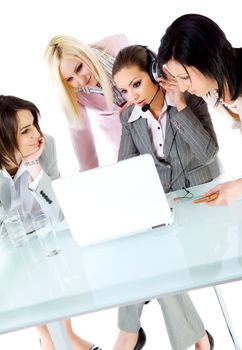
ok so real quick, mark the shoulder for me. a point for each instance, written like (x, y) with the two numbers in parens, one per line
(126, 113)
(112, 44)
(50, 149)
(239, 102)
(49, 140)
(48, 158)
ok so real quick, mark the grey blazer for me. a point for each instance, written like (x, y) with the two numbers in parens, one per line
(44, 193)
(190, 147)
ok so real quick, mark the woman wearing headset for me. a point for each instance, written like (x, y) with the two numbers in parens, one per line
(27, 166)
(202, 61)
(83, 76)
(176, 129)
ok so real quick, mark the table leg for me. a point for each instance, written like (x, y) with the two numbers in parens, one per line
(59, 336)
(226, 317)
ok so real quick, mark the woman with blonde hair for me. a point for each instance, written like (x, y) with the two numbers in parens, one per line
(83, 76)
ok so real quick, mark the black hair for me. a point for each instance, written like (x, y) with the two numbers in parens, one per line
(196, 40)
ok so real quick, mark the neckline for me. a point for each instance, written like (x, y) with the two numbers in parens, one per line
(225, 104)
(12, 172)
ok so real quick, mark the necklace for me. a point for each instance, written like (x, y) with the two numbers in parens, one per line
(227, 105)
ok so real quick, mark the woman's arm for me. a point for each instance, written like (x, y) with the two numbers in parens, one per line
(45, 170)
(83, 140)
(194, 125)
(32, 161)
(192, 120)
(227, 193)
(112, 44)
(127, 147)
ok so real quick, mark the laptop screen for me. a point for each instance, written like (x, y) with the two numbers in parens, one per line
(118, 199)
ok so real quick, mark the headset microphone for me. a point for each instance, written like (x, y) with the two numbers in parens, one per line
(146, 107)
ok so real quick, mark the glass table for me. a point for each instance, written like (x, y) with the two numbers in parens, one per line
(202, 247)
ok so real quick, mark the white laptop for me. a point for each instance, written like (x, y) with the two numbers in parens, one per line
(114, 200)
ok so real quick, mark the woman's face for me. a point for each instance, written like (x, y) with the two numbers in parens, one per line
(28, 136)
(76, 73)
(191, 79)
(135, 85)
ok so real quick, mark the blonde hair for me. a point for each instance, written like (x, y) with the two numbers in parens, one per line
(62, 46)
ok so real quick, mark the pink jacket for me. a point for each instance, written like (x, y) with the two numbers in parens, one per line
(83, 140)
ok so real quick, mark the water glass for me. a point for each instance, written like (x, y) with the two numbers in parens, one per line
(3, 232)
(45, 233)
(15, 228)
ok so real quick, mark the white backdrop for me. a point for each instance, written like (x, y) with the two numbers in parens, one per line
(26, 27)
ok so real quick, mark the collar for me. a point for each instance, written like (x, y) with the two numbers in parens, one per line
(138, 113)
(22, 168)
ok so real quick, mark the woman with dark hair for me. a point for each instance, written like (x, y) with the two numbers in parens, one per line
(176, 129)
(195, 54)
(27, 159)
(27, 166)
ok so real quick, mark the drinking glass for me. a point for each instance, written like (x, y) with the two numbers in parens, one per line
(3, 232)
(45, 233)
(15, 228)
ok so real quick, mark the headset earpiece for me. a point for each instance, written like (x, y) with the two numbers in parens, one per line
(152, 64)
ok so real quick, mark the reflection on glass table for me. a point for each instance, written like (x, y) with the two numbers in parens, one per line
(202, 247)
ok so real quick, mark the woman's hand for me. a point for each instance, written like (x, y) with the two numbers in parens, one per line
(170, 84)
(35, 156)
(31, 161)
(227, 193)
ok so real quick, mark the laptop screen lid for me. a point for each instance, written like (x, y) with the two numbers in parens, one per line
(113, 200)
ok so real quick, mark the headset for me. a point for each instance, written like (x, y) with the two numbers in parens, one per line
(152, 71)
(187, 181)
(154, 74)
(152, 66)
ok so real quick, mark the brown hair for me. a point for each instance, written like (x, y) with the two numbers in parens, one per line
(134, 55)
(9, 107)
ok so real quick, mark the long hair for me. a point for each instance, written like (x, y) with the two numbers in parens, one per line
(195, 40)
(132, 55)
(9, 107)
(61, 46)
